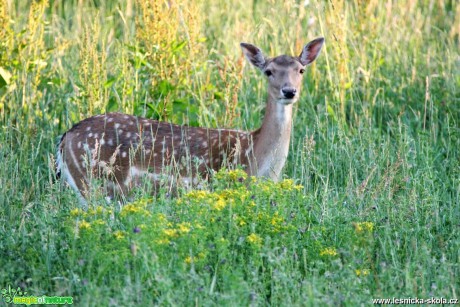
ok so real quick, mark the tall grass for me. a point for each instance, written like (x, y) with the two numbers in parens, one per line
(373, 206)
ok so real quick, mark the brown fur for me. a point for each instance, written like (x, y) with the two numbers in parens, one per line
(173, 145)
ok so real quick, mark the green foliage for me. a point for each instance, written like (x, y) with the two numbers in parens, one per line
(372, 209)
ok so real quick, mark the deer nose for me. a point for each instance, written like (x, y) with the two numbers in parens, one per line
(288, 92)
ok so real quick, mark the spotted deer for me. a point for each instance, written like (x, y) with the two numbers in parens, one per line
(124, 149)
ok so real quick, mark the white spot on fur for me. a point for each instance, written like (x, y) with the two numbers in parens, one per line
(117, 125)
(110, 142)
(88, 128)
(205, 144)
(136, 172)
(79, 145)
(128, 134)
(90, 135)
(124, 154)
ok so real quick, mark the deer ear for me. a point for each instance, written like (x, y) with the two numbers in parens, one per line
(311, 51)
(254, 55)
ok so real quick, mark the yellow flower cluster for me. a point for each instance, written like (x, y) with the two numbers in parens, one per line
(84, 225)
(276, 221)
(254, 239)
(99, 222)
(197, 194)
(119, 235)
(195, 258)
(134, 208)
(170, 233)
(231, 175)
(328, 251)
(363, 272)
(219, 204)
(76, 212)
(364, 227)
(288, 185)
(184, 227)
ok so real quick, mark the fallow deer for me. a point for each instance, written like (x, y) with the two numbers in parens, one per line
(123, 149)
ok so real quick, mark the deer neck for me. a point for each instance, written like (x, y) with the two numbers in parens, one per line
(271, 143)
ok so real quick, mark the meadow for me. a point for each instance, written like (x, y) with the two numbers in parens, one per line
(369, 203)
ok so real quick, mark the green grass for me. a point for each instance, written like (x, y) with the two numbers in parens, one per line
(372, 210)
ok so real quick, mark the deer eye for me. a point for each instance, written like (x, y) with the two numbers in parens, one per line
(268, 72)
(302, 70)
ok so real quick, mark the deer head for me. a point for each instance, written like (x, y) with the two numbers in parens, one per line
(284, 73)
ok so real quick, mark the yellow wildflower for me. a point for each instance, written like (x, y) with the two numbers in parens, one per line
(163, 241)
(84, 225)
(363, 272)
(298, 187)
(197, 194)
(134, 208)
(219, 205)
(76, 212)
(161, 217)
(119, 235)
(237, 174)
(99, 222)
(276, 219)
(364, 227)
(266, 188)
(328, 251)
(254, 239)
(195, 258)
(170, 232)
(184, 227)
(288, 185)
